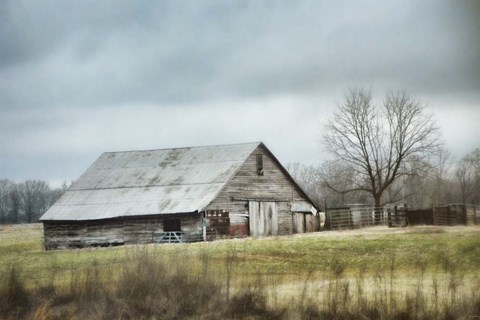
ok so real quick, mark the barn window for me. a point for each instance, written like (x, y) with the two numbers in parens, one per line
(172, 225)
(260, 164)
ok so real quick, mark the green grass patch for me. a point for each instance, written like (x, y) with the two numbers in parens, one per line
(410, 248)
(378, 273)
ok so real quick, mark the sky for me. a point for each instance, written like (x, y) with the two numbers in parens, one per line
(78, 78)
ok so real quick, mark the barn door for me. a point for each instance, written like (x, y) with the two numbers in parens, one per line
(298, 222)
(263, 218)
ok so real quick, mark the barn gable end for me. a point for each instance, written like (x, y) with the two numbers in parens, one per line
(249, 187)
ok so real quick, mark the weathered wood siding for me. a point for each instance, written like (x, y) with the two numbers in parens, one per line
(64, 234)
(273, 186)
(298, 222)
(263, 218)
(312, 222)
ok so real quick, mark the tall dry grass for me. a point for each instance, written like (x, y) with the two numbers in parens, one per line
(148, 285)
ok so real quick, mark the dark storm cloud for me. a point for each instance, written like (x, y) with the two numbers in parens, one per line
(92, 53)
(81, 77)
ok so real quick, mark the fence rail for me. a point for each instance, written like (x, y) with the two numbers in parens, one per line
(185, 237)
(449, 215)
(361, 217)
(354, 218)
(169, 237)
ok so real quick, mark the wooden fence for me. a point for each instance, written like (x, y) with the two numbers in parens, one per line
(449, 215)
(355, 218)
(361, 217)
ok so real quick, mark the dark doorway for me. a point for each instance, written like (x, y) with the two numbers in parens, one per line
(172, 225)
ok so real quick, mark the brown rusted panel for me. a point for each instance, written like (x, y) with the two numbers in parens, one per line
(239, 230)
(218, 222)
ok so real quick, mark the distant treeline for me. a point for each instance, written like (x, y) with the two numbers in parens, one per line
(25, 202)
(441, 180)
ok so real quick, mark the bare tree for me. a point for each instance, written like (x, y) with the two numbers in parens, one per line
(431, 185)
(307, 177)
(5, 187)
(26, 201)
(35, 199)
(467, 175)
(379, 143)
(410, 187)
(336, 179)
(440, 177)
(15, 205)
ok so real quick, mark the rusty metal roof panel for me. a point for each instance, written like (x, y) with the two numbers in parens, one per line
(149, 182)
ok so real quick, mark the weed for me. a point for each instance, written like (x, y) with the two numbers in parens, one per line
(388, 278)
(13, 293)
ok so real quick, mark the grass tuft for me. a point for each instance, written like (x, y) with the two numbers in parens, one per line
(301, 278)
(13, 293)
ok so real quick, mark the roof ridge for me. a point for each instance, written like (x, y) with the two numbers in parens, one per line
(146, 186)
(191, 147)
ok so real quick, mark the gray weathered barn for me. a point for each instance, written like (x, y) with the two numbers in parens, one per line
(186, 194)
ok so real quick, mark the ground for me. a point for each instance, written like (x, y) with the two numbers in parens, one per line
(423, 270)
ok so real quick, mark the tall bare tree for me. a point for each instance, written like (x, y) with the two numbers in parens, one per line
(467, 174)
(15, 205)
(379, 143)
(35, 199)
(26, 201)
(337, 180)
(307, 177)
(5, 188)
(439, 178)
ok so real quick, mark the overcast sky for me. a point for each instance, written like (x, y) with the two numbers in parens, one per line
(78, 78)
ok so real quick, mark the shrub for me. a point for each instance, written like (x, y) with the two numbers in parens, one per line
(13, 293)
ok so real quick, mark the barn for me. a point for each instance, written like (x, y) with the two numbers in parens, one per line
(179, 195)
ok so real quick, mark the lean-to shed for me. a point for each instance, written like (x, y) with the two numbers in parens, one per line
(181, 194)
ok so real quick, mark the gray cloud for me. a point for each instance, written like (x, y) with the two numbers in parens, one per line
(89, 53)
(75, 76)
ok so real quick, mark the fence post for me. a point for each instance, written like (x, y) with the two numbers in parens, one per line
(389, 217)
(328, 221)
(396, 215)
(376, 216)
(327, 224)
(434, 215)
(474, 214)
(405, 213)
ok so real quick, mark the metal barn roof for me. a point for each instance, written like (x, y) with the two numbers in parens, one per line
(134, 183)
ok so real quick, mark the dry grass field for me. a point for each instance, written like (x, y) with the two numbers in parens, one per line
(375, 273)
